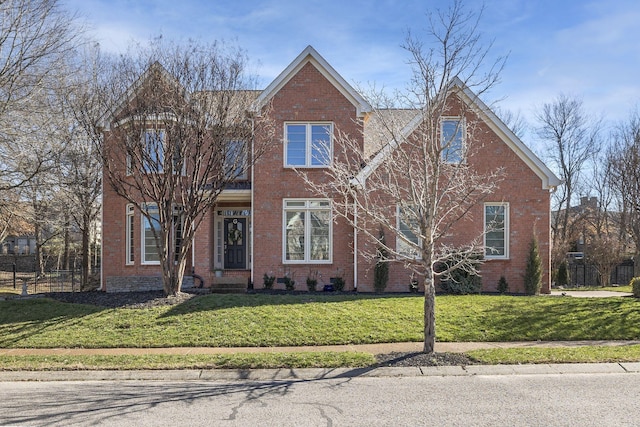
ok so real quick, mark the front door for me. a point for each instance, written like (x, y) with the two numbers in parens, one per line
(235, 243)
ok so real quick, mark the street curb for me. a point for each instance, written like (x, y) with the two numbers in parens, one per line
(313, 374)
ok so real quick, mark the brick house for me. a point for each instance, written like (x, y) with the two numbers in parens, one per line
(271, 223)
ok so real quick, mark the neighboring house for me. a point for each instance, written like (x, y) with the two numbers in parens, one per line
(596, 246)
(271, 223)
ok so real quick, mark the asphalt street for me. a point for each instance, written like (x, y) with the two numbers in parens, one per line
(582, 399)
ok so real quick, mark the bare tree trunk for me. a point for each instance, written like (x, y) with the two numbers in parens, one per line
(65, 251)
(429, 314)
(85, 253)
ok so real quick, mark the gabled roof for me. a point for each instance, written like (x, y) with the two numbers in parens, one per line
(310, 55)
(130, 94)
(549, 179)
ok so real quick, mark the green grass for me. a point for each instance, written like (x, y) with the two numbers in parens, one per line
(292, 320)
(586, 354)
(624, 288)
(165, 361)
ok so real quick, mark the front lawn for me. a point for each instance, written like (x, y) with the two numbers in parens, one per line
(291, 320)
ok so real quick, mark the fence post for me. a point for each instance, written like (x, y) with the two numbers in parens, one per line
(14, 268)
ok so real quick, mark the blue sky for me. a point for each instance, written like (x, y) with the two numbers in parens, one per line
(577, 47)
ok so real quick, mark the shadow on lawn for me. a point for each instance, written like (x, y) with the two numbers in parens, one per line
(225, 301)
(573, 319)
(24, 318)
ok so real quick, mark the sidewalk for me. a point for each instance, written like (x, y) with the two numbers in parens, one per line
(308, 374)
(441, 347)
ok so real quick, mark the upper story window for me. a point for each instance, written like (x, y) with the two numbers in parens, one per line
(452, 139)
(496, 230)
(308, 144)
(235, 160)
(153, 145)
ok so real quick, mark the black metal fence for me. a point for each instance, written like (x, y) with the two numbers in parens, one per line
(584, 274)
(33, 283)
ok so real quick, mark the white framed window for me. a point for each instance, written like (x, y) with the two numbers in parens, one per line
(408, 239)
(130, 241)
(149, 248)
(308, 144)
(307, 231)
(153, 146)
(496, 230)
(452, 130)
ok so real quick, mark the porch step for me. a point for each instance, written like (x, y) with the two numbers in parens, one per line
(229, 285)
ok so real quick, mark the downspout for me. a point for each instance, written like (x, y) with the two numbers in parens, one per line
(355, 245)
(251, 240)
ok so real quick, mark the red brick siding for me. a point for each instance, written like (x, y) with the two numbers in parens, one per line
(307, 97)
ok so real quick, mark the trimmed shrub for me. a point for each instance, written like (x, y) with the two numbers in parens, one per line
(635, 286)
(381, 269)
(289, 283)
(533, 272)
(503, 286)
(311, 284)
(268, 281)
(562, 276)
(460, 281)
(338, 283)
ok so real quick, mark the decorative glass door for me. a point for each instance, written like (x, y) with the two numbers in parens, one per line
(235, 243)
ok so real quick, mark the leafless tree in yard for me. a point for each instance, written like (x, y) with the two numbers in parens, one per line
(35, 38)
(572, 138)
(625, 161)
(605, 245)
(80, 170)
(419, 185)
(184, 137)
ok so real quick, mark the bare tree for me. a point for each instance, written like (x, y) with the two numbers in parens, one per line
(179, 139)
(421, 183)
(625, 172)
(514, 121)
(573, 139)
(604, 245)
(35, 38)
(80, 166)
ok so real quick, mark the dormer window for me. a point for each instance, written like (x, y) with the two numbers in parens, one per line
(308, 144)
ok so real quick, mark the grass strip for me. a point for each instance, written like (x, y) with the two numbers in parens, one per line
(294, 320)
(164, 361)
(582, 354)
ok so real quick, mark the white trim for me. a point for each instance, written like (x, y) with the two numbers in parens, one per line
(306, 208)
(129, 228)
(506, 231)
(400, 242)
(104, 121)
(218, 235)
(462, 125)
(308, 144)
(549, 180)
(143, 254)
(310, 55)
